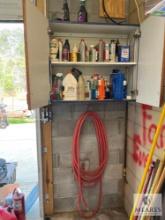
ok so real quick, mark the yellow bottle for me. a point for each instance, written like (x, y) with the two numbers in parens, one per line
(74, 54)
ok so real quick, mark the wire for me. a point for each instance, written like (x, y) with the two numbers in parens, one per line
(138, 11)
(89, 178)
(107, 16)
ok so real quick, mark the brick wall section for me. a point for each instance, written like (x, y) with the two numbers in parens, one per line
(140, 120)
(65, 116)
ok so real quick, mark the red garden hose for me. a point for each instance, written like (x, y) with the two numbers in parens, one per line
(88, 178)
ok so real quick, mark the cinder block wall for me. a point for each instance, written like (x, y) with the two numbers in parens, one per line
(142, 121)
(64, 120)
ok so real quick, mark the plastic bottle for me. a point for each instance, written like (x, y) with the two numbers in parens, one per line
(60, 46)
(81, 88)
(66, 51)
(82, 13)
(113, 51)
(74, 53)
(107, 52)
(66, 11)
(101, 89)
(88, 90)
(92, 54)
(101, 50)
(82, 50)
(107, 90)
(117, 50)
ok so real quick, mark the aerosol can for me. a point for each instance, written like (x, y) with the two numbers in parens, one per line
(19, 204)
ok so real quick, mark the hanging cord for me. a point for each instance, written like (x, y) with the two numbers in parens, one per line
(138, 11)
(107, 16)
(89, 178)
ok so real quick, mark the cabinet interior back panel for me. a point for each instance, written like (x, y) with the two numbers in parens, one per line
(151, 61)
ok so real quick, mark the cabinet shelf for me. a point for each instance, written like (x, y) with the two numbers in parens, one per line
(93, 101)
(94, 63)
(103, 28)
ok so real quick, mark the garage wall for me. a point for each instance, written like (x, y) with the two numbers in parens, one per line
(64, 120)
(141, 127)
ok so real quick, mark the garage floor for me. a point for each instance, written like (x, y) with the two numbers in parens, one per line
(116, 214)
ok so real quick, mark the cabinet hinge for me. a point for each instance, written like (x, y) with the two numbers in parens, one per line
(44, 150)
(46, 196)
(134, 93)
(46, 114)
(137, 33)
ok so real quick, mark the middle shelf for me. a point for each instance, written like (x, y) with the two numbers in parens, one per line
(62, 63)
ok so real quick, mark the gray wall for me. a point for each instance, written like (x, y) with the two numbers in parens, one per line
(64, 120)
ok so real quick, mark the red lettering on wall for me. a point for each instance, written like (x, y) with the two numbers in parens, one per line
(148, 132)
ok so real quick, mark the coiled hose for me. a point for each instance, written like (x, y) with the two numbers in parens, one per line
(89, 178)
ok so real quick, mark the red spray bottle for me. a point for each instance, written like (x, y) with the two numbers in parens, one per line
(19, 204)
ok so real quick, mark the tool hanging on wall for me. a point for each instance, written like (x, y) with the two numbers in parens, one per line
(88, 178)
(113, 9)
(149, 161)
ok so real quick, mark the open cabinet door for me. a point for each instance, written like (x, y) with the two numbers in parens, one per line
(151, 61)
(37, 55)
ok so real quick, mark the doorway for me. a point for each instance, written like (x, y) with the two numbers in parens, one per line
(18, 138)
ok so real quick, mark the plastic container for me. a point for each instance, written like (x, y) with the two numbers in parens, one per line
(66, 11)
(118, 85)
(124, 54)
(82, 13)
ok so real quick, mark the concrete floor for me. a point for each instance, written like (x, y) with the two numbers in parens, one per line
(18, 144)
(115, 214)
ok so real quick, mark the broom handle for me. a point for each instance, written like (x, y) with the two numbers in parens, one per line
(149, 160)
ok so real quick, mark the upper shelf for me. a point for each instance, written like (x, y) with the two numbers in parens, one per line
(94, 63)
(98, 28)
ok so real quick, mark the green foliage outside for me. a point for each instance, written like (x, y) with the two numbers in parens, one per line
(20, 120)
(12, 63)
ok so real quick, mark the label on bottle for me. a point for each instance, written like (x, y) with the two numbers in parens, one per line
(82, 18)
(18, 205)
(65, 54)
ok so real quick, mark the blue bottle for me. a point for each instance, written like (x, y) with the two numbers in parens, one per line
(118, 85)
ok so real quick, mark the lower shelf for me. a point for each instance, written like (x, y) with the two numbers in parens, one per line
(93, 101)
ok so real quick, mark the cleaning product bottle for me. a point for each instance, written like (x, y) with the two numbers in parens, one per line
(82, 50)
(101, 50)
(60, 46)
(101, 89)
(113, 51)
(66, 51)
(66, 11)
(82, 13)
(81, 88)
(70, 84)
(19, 204)
(74, 53)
